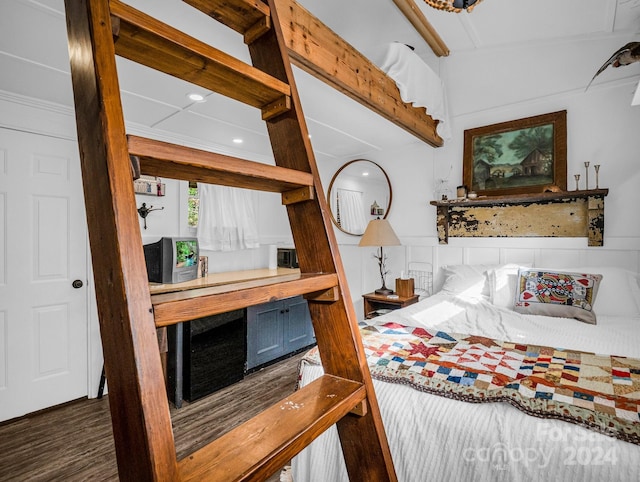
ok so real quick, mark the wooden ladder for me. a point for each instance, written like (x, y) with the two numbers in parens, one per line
(98, 30)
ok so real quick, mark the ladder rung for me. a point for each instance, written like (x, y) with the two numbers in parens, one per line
(178, 162)
(149, 42)
(249, 17)
(259, 447)
(178, 306)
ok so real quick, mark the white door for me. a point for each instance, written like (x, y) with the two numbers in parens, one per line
(43, 250)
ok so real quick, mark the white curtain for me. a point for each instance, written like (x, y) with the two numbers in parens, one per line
(351, 215)
(227, 219)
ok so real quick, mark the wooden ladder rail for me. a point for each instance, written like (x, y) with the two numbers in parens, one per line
(139, 407)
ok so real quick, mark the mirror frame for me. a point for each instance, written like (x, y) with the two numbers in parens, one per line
(335, 176)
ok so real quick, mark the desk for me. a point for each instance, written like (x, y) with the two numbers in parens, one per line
(175, 369)
(374, 302)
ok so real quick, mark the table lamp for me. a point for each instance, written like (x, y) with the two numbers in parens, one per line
(380, 233)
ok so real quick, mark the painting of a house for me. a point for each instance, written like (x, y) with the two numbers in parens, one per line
(537, 164)
(526, 155)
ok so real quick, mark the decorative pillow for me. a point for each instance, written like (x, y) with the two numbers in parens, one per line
(557, 293)
(469, 280)
(502, 284)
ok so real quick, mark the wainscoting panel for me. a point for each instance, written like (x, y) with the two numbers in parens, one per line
(538, 252)
(363, 275)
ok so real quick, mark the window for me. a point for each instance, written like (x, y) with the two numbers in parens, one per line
(193, 205)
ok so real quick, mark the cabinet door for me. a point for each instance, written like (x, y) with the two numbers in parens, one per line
(265, 337)
(298, 329)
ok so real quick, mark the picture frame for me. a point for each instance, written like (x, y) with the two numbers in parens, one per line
(521, 156)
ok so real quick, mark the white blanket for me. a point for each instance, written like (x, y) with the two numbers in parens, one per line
(418, 84)
(436, 438)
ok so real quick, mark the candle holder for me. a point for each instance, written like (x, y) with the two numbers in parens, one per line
(577, 177)
(586, 175)
(597, 168)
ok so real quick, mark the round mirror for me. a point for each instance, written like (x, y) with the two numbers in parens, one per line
(359, 192)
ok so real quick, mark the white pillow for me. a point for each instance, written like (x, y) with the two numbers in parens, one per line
(502, 284)
(468, 280)
(619, 294)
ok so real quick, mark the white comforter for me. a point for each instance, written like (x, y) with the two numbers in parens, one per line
(436, 438)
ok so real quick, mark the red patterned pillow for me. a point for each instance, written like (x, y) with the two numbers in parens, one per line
(555, 293)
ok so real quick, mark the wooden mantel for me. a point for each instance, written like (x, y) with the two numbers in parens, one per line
(549, 214)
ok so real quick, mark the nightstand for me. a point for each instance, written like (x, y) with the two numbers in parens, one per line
(374, 302)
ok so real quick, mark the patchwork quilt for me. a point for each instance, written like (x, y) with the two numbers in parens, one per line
(600, 392)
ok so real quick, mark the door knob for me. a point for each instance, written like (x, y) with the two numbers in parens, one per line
(77, 284)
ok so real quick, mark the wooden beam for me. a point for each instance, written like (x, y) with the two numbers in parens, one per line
(413, 13)
(147, 41)
(140, 416)
(318, 50)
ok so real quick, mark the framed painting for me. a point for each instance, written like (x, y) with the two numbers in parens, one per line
(517, 157)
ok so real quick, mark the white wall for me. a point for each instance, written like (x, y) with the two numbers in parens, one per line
(499, 85)
(601, 128)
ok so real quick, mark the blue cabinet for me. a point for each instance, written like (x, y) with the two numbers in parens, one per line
(277, 329)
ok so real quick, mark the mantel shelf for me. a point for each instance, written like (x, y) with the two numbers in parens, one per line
(522, 198)
(548, 214)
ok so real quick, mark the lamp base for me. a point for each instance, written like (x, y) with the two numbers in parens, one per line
(383, 291)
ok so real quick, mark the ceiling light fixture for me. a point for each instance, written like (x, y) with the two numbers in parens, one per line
(196, 97)
(237, 140)
(456, 6)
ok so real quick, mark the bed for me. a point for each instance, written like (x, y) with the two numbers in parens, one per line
(437, 435)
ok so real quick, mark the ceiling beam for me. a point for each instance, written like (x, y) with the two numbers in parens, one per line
(318, 50)
(423, 27)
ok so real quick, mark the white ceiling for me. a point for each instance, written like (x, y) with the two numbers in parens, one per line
(34, 63)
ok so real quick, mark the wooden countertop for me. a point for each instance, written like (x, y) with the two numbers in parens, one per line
(217, 279)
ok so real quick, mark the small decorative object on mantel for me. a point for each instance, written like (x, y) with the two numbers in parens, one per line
(442, 190)
(596, 168)
(586, 174)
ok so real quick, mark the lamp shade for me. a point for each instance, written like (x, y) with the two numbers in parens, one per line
(379, 233)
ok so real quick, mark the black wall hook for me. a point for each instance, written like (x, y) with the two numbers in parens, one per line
(144, 211)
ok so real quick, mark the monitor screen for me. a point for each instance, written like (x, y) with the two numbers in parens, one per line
(186, 253)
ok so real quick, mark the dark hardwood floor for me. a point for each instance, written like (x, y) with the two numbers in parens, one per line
(74, 442)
